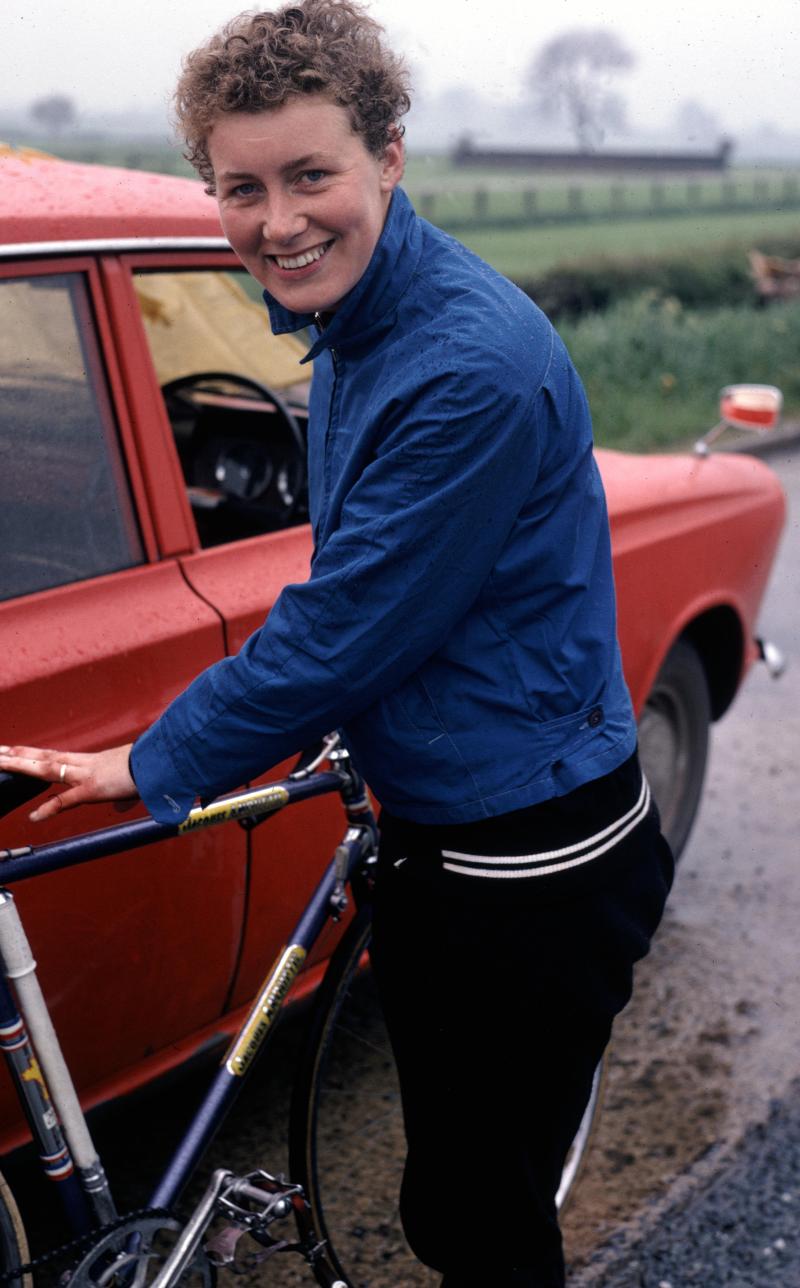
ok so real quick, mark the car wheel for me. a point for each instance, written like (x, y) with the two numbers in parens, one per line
(673, 740)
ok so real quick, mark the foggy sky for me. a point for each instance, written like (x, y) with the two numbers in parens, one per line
(739, 60)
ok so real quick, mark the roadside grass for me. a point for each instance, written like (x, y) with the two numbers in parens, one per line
(653, 370)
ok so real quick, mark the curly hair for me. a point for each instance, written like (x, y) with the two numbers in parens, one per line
(259, 60)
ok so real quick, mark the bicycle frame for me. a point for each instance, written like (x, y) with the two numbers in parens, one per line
(29, 1041)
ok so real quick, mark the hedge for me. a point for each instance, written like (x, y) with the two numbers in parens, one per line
(708, 279)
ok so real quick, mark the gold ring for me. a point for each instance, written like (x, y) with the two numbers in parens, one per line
(63, 772)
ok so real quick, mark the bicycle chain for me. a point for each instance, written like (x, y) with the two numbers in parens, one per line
(83, 1242)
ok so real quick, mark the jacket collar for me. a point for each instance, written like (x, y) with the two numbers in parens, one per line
(370, 306)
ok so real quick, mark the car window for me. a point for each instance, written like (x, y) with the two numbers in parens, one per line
(65, 509)
(236, 397)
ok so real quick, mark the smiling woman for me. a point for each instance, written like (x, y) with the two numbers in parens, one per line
(458, 626)
(301, 199)
(292, 120)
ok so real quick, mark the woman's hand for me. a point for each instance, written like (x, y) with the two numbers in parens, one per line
(81, 777)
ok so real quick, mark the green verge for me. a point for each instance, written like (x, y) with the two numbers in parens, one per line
(653, 370)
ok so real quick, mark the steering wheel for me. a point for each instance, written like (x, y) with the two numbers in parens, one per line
(244, 467)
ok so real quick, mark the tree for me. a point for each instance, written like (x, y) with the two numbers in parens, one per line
(570, 77)
(54, 112)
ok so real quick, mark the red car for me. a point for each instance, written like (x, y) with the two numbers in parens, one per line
(153, 506)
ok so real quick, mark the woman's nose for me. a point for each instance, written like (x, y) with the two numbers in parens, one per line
(282, 222)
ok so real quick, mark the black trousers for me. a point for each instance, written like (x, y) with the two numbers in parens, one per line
(499, 997)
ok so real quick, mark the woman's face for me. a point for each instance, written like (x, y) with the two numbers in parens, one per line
(301, 199)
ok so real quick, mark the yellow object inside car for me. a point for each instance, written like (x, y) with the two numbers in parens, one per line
(205, 321)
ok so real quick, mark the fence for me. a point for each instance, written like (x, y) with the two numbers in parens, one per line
(550, 203)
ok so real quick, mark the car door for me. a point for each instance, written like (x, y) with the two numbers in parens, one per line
(201, 311)
(98, 630)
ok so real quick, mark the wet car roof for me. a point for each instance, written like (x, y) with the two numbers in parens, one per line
(46, 200)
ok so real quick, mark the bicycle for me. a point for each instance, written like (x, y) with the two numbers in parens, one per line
(335, 1233)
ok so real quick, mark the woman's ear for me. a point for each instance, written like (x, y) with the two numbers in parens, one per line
(393, 164)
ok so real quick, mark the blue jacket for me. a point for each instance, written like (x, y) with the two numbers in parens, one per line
(459, 620)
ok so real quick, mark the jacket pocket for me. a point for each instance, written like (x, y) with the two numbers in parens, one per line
(566, 735)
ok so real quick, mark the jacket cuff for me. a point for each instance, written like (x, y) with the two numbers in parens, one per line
(157, 779)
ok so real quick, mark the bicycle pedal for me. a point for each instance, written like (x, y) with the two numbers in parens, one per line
(221, 1250)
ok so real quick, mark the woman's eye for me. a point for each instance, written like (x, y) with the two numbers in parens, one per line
(244, 190)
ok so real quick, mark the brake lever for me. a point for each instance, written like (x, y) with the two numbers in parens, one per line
(303, 769)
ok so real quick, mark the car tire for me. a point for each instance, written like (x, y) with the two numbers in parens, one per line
(673, 740)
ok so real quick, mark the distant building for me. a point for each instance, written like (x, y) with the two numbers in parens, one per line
(466, 154)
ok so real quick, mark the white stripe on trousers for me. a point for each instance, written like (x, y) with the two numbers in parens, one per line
(542, 864)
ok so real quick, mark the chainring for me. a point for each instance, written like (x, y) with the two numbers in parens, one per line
(113, 1263)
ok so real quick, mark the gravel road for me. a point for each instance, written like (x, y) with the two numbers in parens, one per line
(741, 1229)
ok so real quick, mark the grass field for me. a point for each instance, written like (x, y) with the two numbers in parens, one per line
(525, 252)
(455, 198)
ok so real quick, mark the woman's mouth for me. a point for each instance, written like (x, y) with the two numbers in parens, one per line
(291, 263)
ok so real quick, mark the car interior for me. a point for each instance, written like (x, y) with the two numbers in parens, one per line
(236, 397)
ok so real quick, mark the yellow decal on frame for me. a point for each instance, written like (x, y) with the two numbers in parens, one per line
(265, 1009)
(263, 801)
(34, 1074)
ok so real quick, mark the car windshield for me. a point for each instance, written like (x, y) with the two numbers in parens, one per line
(216, 321)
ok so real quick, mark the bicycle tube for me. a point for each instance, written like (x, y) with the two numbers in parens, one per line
(346, 1142)
(13, 1244)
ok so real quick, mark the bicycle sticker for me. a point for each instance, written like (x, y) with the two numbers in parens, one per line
(265, 1011)
(263, 801)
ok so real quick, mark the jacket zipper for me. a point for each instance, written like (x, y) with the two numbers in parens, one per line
(330, 430)
(321, 322)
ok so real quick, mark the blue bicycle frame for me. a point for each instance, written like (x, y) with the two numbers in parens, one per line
(28, 1040)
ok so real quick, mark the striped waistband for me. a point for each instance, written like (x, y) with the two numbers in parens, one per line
(548, 862)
